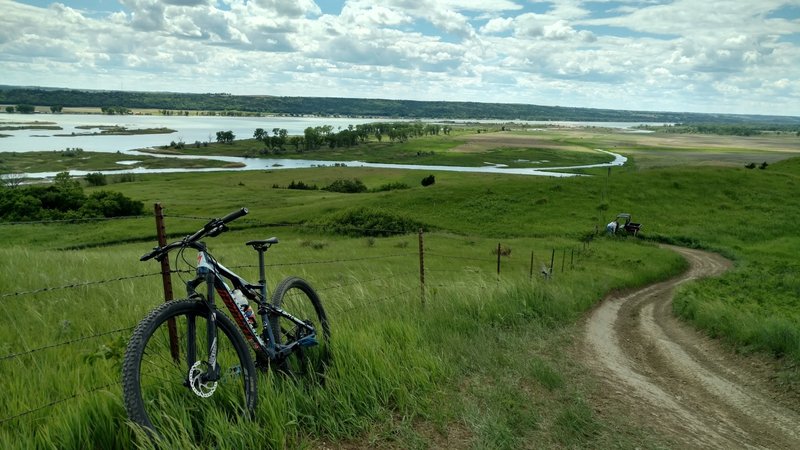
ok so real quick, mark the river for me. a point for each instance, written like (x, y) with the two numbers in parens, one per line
(187, 129)
(203, 128)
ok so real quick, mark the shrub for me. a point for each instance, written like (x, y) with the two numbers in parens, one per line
(392, 187)
(111, 204)
(96, 179)
(63, 199)
(429, 180)
(369, 222)
(750, 166)
(302, 186)
(342, 185)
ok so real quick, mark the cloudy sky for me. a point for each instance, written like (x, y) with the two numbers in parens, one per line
(730, 56)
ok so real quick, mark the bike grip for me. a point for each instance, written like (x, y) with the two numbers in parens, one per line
(148, 256)
(234, 215)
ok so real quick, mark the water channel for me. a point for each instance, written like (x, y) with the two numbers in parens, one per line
(190, 129)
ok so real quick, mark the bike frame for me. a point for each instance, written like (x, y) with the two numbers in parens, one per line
(214, 274)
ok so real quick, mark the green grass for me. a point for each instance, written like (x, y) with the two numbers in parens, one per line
(485, 363)
(392, 356)
(428, 150)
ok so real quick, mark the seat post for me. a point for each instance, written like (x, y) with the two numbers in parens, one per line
(262, 246)
(262, 274)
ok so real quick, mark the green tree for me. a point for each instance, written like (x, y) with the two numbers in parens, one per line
(297, 142)
(258, 134)
(9, 109)
(225, 137)
(25, 109)
(312, 138)
(56, 108)
(96, 179)
(279, 136)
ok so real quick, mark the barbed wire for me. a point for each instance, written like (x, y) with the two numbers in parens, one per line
(328, 261)
(251, 223)
(375, 302)
(367, 301)
(355, 282)
(461, 271)
(56, 402)
(62, 344)
(77, 285)
(83, 219)
(176, 216)
(466, 258)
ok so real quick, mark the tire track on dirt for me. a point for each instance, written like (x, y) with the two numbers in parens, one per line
(676, 380)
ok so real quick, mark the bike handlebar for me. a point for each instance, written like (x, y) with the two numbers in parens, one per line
(213, 228)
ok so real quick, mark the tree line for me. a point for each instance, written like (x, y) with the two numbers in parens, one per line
(726, 129)
(356, 107)
(314, 138)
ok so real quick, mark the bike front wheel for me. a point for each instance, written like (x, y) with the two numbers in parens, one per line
(297, 298)
(165, 374)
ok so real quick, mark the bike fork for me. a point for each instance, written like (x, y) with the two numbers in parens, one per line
(211, 331)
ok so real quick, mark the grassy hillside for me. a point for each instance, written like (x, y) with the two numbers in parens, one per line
(485, 362)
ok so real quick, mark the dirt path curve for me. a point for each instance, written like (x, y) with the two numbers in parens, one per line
(675, 380)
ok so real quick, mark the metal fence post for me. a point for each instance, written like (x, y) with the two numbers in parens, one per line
(166, 280)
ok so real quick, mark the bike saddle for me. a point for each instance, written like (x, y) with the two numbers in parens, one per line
(263, 243)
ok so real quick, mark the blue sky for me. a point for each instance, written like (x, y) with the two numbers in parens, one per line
(733, 56)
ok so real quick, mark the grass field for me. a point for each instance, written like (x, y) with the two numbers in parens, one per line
(485, 363)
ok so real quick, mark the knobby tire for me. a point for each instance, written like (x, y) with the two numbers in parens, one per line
(155, 388)
(297, 297)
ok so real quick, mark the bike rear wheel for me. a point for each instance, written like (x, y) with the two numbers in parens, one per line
(296, 297)
(163, 384)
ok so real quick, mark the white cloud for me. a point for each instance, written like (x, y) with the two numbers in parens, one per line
(497, 25)
(146, 15)
(290, 8)
(663, 55)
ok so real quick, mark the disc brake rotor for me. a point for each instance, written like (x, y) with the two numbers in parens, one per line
(199, 387)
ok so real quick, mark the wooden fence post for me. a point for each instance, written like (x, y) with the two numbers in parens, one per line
(563, 259)
(530, 275)
(499, 249)
(421, 268)
(166, 280)
(552, 259)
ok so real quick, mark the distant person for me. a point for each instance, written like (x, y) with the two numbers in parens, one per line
(611, 228)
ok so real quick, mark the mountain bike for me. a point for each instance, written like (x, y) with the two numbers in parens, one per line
(188, 363)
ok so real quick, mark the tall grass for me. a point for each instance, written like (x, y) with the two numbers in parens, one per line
(394, 359)
(481, 363)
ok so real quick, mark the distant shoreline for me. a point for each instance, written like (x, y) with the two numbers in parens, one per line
(244, 105)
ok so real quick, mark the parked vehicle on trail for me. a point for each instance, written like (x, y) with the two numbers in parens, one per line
(625, 224)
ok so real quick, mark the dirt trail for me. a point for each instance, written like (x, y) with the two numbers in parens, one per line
(678, 382)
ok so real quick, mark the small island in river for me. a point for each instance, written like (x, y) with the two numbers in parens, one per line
(116, 130)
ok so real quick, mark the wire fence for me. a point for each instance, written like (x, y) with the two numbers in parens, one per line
(425, 262)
